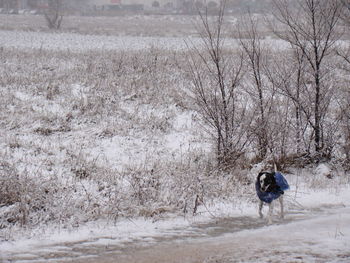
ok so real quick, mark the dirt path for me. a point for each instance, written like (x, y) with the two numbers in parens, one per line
(322, 235)
(317, 237)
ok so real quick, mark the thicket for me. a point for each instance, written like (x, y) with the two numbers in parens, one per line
(282, 104)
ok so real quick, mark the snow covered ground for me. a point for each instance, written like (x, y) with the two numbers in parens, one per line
(104, 152)
(315, 229)
(78, 43)
(81, 43)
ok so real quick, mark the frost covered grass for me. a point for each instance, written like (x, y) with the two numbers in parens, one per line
(99, 135)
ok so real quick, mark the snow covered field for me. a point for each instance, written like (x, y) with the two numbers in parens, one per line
(82, 43)
(102, 155)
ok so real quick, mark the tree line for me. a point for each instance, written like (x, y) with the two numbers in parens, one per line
(284, 99)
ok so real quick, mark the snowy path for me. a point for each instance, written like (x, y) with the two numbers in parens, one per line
(317, 239)
(318, 235)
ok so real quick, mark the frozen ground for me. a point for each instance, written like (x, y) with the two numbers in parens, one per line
(321, 238)
(315, 229)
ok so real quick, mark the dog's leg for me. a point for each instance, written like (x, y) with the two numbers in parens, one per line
(282, 209)
(260, 209)
(270, 213)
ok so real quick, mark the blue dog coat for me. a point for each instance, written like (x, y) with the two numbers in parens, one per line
(268, 197)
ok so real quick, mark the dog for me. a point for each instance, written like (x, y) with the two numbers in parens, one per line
(270, 186)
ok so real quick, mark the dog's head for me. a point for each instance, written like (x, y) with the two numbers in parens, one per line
(267, 182)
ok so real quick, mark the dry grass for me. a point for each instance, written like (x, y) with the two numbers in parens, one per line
(56, 107)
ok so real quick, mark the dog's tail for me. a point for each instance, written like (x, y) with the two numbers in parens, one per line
(275, 167)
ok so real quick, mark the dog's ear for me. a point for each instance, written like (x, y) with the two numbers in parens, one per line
(260, 174)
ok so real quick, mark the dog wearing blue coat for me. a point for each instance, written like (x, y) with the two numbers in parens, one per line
(270, 186)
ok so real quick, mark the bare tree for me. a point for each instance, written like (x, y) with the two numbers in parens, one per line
(344, 52)
(344, 100)
(310, 26)
(256, 57)
(290, 77)
(54, 14)
(216, 74)
(345, 15)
